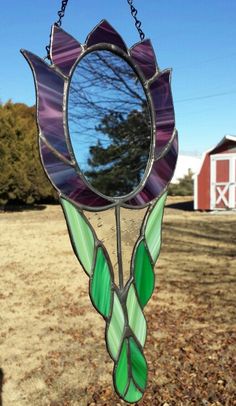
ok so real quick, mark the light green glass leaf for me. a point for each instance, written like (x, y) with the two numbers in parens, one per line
(133, 395)
(100, 288)
(144, 277)
(115, 329)
(81, 235)
(136, 318)
(153, 228)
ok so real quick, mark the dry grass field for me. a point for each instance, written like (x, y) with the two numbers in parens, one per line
(52, 350)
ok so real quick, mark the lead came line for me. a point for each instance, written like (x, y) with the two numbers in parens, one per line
(119, 247)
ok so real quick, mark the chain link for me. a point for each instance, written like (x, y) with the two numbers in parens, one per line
(138, 23)
(58, 23)
(61, 14)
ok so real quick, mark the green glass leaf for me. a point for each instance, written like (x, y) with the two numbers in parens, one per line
(139, 365)
(81, 235)
(100, 288)
(144, 277)
(133, 394)
(121, 370)
(153, 228)
(131, 372)
(136, 318)
(116, 328)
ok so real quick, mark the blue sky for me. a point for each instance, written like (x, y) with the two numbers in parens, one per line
(195, 38)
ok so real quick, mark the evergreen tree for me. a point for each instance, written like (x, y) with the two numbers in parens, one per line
(117, 167)
(22, 179)
(184, 187)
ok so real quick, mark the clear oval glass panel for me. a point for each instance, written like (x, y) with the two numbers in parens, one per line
(109, 123)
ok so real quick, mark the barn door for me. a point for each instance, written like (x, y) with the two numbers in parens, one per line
(223, 182)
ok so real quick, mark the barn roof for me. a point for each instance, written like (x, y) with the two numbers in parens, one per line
(225, 139)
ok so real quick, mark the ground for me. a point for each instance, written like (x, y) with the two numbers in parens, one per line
(52, 350)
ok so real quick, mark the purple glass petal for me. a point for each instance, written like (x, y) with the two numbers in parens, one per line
(68, 181)
(161, 174)
(105, 33)
(144, 56)
(164, 110)
(50, 87)
(64, 49)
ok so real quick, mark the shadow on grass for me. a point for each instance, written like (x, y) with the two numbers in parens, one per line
(186, 206)
(1, 385)
(19, 207)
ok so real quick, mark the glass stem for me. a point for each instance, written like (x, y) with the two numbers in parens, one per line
(119, 247)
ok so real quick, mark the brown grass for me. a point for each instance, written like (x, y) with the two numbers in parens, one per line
(52, 350)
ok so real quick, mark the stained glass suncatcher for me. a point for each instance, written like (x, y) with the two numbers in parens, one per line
(62, 146)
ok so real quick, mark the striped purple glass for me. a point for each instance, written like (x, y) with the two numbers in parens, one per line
(65, 50)
(68, 181)
(104, 33)
(144, 56)
(161, 174)
(164, 110)
(51, 86)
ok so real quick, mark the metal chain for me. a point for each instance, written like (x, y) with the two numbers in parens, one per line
(61, 14)
(138, 23)
(58, 23)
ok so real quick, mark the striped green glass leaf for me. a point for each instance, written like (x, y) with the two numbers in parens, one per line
(130, 375)
(100, 287)
(116, 328)
(121, 377)
(144, 277)
(153, 228)
(139, 365)
(133, 395)
(81, 235)
(136, 318)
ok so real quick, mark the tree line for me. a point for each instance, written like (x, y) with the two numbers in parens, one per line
(22, 178)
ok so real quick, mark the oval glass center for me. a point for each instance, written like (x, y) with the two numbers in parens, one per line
(109, 123)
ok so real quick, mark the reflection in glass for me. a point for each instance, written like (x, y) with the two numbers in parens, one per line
(109, 123)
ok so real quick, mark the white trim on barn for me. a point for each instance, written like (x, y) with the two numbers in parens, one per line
(232, 186)
(229, 186)
(195, 193)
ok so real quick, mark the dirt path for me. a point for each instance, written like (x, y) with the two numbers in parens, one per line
(52, 351)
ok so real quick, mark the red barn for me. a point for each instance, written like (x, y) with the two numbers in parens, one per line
(215, 184)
